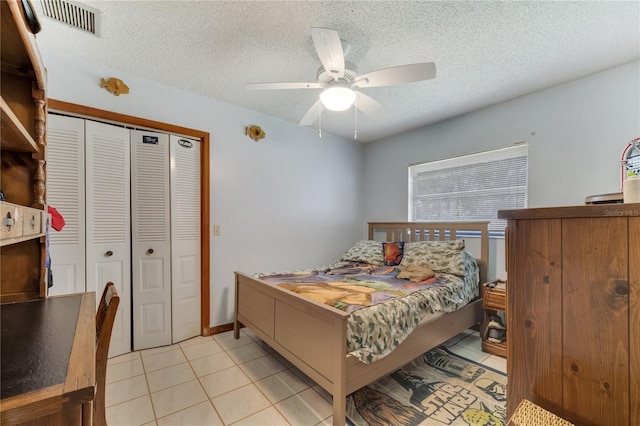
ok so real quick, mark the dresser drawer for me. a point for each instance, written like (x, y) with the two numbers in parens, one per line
(11, 215)
(31, 221)
(495, 299)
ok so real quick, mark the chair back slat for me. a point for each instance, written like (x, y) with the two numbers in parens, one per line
(105, 316)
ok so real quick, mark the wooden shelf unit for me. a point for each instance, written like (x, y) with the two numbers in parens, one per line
(22, 141)
(494, 300)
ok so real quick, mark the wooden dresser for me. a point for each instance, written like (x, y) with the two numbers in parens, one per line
(573, 329)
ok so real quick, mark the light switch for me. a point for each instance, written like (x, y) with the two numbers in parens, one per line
(216, 230)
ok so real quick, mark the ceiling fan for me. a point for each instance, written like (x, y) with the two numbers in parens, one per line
(339, 79)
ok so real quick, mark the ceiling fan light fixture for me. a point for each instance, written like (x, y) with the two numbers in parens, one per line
(337, 98)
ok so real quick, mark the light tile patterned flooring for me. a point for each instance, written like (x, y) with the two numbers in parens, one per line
(218, 380)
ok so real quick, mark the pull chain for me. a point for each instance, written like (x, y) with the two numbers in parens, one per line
(319, 120)
(355, 110)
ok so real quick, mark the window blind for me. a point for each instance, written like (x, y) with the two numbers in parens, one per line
(470, 187)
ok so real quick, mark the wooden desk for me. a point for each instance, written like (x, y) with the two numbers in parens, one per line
(48, 360)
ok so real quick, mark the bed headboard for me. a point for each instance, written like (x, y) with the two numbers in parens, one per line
(436, 231)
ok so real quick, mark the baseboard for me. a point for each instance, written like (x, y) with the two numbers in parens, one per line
(221, 329)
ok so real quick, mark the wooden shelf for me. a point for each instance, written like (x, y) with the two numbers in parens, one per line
(9, 241)
(492, 348)
(14, 136)
(494, 300)
(17, 297)
(20, 52)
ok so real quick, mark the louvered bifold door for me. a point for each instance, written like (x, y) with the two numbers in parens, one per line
(65, 192)
(185, 237)
(151, 243)
(109, 223)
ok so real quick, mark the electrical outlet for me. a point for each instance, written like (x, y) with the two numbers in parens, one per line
(216, 230)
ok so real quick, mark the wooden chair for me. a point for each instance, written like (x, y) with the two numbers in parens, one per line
(104, 324)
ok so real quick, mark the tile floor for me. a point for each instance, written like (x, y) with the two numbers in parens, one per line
(218, 380)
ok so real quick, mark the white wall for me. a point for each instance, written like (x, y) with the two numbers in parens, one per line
(288, 202)
(576, 133)
(272, 198)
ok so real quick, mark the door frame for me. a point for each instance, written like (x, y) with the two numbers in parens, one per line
(54, 105)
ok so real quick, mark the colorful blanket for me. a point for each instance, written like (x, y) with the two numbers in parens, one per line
(376, 330)
(352, 286)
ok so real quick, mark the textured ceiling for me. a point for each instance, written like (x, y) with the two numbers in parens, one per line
(485, 52)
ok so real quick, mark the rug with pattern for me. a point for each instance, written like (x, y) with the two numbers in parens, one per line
(437, 388)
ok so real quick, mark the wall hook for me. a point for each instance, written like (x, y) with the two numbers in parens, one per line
(115, 86)
(255, 132)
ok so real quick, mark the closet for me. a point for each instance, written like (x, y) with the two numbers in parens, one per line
(131, 203)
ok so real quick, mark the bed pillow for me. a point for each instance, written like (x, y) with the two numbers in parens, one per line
(392, 253)
(416, 273)
(365, 251)
(440, 256)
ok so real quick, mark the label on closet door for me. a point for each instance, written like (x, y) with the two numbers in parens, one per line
(150, 139)
(185, 143)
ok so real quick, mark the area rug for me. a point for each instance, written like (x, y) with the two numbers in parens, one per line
(437, 388)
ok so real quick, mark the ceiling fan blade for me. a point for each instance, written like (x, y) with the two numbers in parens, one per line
(370, 106)
(329, 48)
(397, 75)
(312, 115)
(285, 85)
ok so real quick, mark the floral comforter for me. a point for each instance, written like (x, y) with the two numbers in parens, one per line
(374, 328)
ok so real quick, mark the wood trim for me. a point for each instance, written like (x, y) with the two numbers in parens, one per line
(205, 186)
(117, 118)
(222, 328)
(591, 210)
(39, 131)
(205, 214)
(82, 367)
(634, 320)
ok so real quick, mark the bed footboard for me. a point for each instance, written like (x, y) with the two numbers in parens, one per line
(312, 336)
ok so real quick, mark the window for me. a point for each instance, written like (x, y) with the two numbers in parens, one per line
(470, 187)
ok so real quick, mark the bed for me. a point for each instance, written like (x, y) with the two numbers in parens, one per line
(313, 336)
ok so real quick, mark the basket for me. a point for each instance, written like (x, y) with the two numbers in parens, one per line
(529, 414)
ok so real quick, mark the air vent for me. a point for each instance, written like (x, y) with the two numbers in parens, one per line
(73, 13)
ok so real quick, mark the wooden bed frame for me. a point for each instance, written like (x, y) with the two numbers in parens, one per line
(313, 336)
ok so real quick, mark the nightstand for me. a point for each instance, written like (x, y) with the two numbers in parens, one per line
(494, 300)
